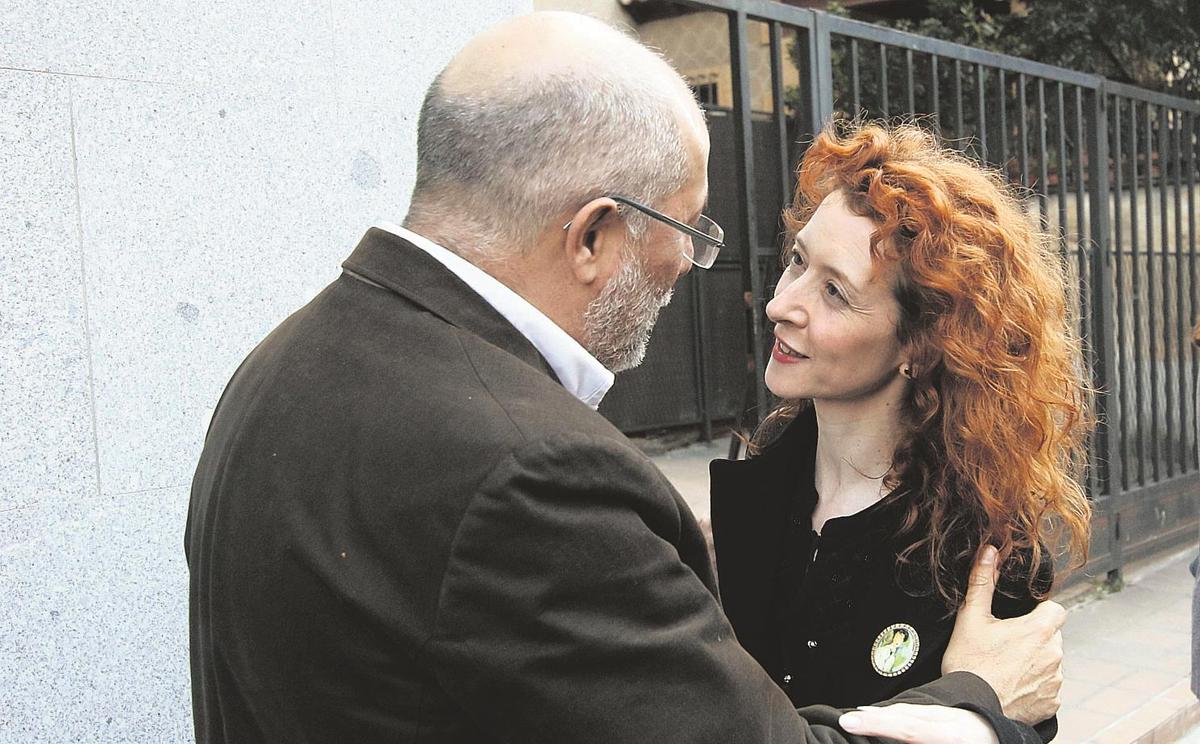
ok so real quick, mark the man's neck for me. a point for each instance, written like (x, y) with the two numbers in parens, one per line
(518, 270)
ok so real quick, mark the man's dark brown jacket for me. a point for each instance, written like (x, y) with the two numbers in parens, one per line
(403, 529)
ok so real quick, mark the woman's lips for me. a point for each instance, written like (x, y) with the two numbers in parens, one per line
(785, 354)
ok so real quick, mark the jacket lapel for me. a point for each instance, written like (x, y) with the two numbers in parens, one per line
(751, 506)
(397, 265)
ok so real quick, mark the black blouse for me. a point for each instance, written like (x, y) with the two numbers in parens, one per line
(832, 617)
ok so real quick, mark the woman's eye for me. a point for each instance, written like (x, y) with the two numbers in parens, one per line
(795, 259)
(832, 290)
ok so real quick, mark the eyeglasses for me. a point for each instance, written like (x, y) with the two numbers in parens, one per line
(707, 237)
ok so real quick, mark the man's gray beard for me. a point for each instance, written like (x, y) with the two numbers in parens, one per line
(617, 324)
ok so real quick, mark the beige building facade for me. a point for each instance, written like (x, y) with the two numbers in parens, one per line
(697, 44)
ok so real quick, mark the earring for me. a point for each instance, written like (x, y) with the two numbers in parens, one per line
(906, 372)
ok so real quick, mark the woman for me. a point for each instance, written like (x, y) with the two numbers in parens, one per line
(933, 401)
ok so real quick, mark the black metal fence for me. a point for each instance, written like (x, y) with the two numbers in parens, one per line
(1109, 168)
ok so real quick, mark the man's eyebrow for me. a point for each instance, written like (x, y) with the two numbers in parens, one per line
(831, 269)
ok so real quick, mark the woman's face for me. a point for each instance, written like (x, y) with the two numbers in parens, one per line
(835, 313)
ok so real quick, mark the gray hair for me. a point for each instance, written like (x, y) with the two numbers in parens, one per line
(500, 168)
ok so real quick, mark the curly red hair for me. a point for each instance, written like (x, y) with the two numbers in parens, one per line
(999, 408)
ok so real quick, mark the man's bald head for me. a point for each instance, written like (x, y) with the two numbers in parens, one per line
(539, 115)
(552, 44)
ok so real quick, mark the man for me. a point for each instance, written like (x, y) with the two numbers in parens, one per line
(408, 522)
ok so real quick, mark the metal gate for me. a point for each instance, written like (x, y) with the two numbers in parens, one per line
(1110, 168)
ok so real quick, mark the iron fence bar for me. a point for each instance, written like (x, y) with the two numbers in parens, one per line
(981, 122)
(1172, 411)
(1108, 469)
(1082, 235)
(1121, 372)
(1187, 426)
(758, 10)
(958, 101)
(784, 173)
(1138, 297)
(879, 34)
(934, 92)
(780, 111)
(1152, 96)
(1043, 153)
(701, 361)
(909, 84)
(1191, 180)
(1150, 299)
(1023, 114)
(747, 228)
(1062, 170)
(1084, 245)
(855, 85)
(883, 82)
(1003, 119)
(820, 58)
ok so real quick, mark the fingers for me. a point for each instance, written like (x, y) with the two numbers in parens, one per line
(1052, 613)
(982, 584)
(1049, 618)
(882, 722)
(927, 724)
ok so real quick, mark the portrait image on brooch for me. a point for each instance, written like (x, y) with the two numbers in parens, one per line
(895, 649)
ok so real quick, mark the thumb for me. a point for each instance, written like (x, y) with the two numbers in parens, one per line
(982, 584)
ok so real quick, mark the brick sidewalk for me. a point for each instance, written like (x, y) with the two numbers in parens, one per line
(1127, 653)
(1127, 659)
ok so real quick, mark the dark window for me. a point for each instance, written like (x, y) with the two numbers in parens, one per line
(707, 93)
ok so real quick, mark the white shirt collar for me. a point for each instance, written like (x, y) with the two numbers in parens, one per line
(578, 371)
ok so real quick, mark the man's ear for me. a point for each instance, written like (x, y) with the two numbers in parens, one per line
(594, 240)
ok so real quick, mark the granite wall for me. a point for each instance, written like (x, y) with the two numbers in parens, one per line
(175, 178)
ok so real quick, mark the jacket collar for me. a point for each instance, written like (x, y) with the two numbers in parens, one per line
(397, 265)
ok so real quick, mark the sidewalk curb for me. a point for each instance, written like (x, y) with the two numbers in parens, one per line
(1173, 727)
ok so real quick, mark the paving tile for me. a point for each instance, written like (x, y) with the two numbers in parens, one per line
(1149, 680)
(1079, 666)
(1174, 661)
(1183, 727)
(1081, 724)
(1158, 711)
(1123, 732)
(1180, 692)
(1116, 702)
(1075, 691)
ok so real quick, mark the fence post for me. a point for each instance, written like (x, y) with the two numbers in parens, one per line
(820, 72)
(1107, 463)
(747, 228)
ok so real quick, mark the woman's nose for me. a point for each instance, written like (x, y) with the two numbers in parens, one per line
(787, 305)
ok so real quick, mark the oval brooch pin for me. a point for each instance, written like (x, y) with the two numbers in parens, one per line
(895, 649)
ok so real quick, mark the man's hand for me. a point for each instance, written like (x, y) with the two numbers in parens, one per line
(1020, 658)
(920, 724)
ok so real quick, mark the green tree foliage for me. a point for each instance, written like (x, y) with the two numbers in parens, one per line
(1150, 43)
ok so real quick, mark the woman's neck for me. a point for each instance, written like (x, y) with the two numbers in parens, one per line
(855, 445)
